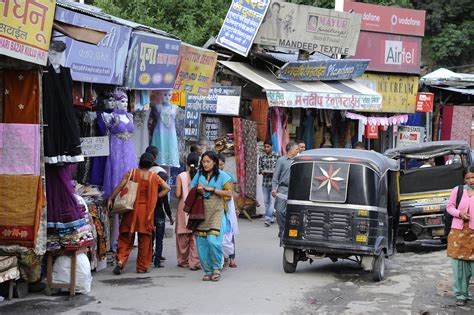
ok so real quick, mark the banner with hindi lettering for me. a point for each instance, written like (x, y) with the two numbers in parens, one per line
(195, 70)
(152, 61)
(25, 29)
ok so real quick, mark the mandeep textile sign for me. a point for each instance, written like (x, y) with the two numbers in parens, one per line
(195, 70)
(25, 29)
(342, 101)
(322, 70)
(241, 24)
(378, 18)
(309, 28)
(152, 62)
(224, 100)
(102, 63)
(390, 53)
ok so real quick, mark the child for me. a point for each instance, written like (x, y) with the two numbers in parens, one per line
(162, 206)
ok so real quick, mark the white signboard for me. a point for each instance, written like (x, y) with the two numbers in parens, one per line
(95, 146)
(409, 135)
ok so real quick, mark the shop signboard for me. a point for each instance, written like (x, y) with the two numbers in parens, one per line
(371, 132)
(95, 146)
(398, 92)
(309, 28)
(178, 98)
(222, 100)
(102, 63)
(424, 102)
(409, 135)
(195, 70)
(384, 19)
(390, 53)
(211, 127)
(25, 29)
(241, 24)
(323, 70)
(342, 101)
(152, 61)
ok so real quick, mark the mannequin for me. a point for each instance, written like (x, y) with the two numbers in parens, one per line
(164, 133)
(327, 140)
(61, 136)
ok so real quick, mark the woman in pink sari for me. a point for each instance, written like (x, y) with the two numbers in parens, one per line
(186, 250)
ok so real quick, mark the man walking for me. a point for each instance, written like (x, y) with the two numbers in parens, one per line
(280, 181)
(266, 166)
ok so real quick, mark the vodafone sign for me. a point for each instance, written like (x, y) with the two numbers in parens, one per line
(377, 18)
(390, 53)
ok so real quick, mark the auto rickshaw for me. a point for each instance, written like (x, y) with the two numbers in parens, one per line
(342, 204)
(425, 188)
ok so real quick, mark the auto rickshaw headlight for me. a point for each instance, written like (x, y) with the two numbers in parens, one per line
(294, 220)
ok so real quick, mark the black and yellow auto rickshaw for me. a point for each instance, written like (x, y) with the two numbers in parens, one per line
(342, 204)
(429, 171)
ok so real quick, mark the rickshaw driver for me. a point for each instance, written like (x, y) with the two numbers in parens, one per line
(280, 181)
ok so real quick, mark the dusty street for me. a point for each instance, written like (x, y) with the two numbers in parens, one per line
(418, 281)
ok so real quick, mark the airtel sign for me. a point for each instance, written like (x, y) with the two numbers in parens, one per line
(377, 18)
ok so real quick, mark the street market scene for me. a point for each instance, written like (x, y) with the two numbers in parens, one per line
(236, 156)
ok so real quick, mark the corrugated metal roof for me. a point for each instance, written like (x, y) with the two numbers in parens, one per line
(457, 90)
(100, 14)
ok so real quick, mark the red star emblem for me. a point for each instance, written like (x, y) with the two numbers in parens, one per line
(329, 179)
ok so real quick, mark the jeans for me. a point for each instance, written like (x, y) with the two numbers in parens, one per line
(268, 200)
(159, 235)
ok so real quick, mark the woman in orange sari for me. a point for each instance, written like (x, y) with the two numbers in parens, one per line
(139, 220)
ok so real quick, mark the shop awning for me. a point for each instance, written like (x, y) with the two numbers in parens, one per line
(343, 95)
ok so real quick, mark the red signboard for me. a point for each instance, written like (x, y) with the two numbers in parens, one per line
(390, 53)
(424, 102)
(371, 131)
(378, 18)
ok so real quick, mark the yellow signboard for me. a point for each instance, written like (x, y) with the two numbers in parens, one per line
(25, 29)
(398, 91)
(178, 98)
(195, 70)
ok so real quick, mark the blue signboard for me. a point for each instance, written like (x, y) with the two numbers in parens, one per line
(102, 63)
(222, 100)
(323, 70)
(241, 25)
(152, 62)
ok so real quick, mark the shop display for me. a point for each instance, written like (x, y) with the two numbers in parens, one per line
(308, 124)
(21, 103)
(276, 128)
(141, 136)
(164, 133)
(61, 132)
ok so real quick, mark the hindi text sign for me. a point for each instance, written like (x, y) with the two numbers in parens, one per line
(323, 70)
(95, 146)
(25, 29)
(424, 102)
(152, 62)
(309, 28)
(241, 24)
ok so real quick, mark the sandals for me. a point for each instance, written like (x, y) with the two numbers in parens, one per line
(460, 302)
(195, 268)
(118, 269)
(206, 278)
(216, 275)
(232, 264)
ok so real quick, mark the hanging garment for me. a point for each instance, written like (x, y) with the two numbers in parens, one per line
(61, 133)
(164, 135)
(19, 149)
(285, 139)
(98, 162)
(309, 130)
(277, 130)
(21, 200)
(122, 157)
(141, 136)
(260, 115)
(249, 130)
(21, 97)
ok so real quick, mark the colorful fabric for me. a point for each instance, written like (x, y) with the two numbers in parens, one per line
(250, 145)
(145, 249)
(209, 249)
(8, 268)
(239, 155)
(260, 116)
(267, 163)
(181, 216)
(277, 130)
(461, 243)
(164, 134)
(21, 200)
(186, 250)
(19, 149)
(21, 97)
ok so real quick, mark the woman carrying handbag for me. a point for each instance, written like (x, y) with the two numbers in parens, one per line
(141, 218)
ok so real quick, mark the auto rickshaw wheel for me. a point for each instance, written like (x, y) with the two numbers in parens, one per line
(287, 266)
(378, 269)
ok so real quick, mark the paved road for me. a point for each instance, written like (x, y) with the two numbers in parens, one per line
(417, 282)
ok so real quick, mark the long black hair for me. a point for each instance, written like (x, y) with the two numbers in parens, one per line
(467, 169)
(215, 170)
(193, 162)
